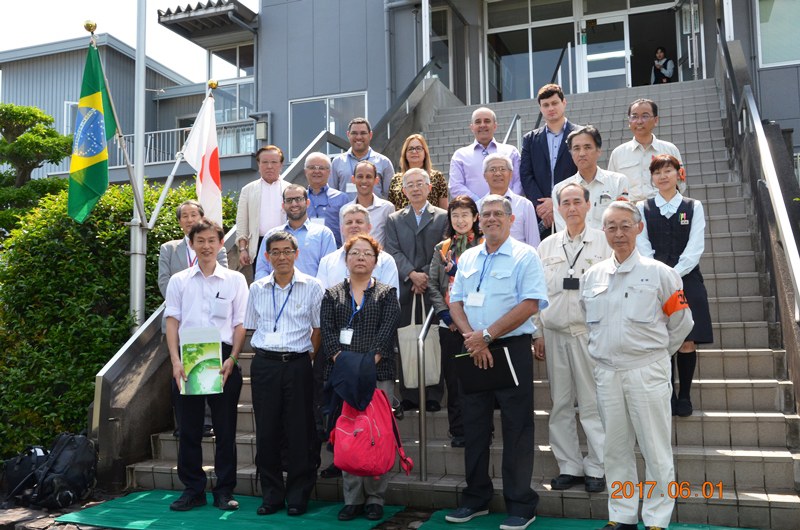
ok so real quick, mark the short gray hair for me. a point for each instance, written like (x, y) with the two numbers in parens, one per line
(356, 208)
(497, 156)
(625, 206)
(483, 109)
(317, 154)
(495, 199)
(416, 171)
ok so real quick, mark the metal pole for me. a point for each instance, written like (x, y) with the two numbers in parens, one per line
(423, 433)
(138, 227)
(426, 32)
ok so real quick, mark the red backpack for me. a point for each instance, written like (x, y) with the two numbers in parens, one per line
(365, 441)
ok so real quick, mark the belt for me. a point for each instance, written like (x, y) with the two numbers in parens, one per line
(283, 357)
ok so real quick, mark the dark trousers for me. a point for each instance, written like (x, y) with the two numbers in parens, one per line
(452, 343)
(516, 408)
(223, 418)
(283, 408)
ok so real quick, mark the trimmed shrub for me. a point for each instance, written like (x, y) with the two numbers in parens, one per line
(16, 202)
(64, 307)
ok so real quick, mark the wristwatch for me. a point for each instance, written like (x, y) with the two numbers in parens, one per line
(487, 337)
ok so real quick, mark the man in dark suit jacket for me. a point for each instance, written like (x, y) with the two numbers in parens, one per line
(411, 235)
(545, 158)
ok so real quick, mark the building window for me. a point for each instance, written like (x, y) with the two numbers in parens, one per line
(440, 43)
(777, 24)
(234, 101)
(70, 115)
(233, 62)
(308, 117)
(509, 72)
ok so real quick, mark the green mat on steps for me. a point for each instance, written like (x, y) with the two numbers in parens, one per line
(150, 510)
(493, 521)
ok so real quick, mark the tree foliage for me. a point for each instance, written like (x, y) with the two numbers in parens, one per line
(64, 302)
(28, 140)
(16, 202)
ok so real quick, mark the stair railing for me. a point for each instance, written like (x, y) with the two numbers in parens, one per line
(423, 432)
(516, 121)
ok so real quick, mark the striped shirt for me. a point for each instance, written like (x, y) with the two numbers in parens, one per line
(291, 311)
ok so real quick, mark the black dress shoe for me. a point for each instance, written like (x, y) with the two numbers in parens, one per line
(611, 525)
(269, 509)
(350, 512)
(432, 406)
(683, 408)
(330, 472)
(408, 405)
(225, 501)
(374, 512)
(398, 412)
(457, 441)
(295, 509)
(208, 431)
(594, 484)
(565, 482)
(188, 501)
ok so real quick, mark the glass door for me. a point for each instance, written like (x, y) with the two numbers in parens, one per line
(690, 38)
(606, 53)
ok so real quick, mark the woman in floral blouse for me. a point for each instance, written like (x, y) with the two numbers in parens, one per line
(415, 153)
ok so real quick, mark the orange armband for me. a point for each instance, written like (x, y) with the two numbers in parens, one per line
(677, 302)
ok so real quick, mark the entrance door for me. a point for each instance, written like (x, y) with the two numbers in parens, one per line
(691, 41)
(606, 53)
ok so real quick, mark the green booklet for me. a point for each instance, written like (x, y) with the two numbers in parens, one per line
(201, 355)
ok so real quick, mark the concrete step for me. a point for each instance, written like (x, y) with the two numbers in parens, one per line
(737, 309)
(729, 242)
(726, 262)
(734, 506)
(730, 284)
(704, 192)
(739, 335)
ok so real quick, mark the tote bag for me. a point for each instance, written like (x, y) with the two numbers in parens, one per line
(407, 336)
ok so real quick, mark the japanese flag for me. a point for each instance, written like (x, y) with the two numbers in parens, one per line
(202, 153)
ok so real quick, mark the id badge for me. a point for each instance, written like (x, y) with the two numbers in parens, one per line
(220, 308)
(350, 187)
(475, 299)
(346, 336)
(317, 221)
(572, 284)
(272, 339)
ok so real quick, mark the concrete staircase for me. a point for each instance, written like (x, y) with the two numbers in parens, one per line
(744, 436)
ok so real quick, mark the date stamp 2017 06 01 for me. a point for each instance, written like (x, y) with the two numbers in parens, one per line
(675, 490)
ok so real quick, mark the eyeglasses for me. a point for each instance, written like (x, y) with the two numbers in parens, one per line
(319, 168)
(415, 149)
(636, 117)
(278, 253)
(359, 253)
(290, 200)
(621, 228)
(495, 170)
(488, 215)
(414, 185)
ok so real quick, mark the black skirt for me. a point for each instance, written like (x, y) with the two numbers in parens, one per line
(697, 298)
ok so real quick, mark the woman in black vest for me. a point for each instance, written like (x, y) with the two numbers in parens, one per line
(674, 235)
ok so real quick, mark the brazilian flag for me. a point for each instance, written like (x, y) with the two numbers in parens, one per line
(94, 127)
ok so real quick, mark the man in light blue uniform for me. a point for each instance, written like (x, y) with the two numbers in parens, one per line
(343, 167)
(325, 200)
(314, 240)
(498, 287)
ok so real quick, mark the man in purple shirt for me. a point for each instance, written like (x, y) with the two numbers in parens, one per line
(466, 166)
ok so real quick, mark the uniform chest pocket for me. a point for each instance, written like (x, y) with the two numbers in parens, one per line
(594, 300)
(642, 303)
(554, 270)
(627, 164)
(501, 280)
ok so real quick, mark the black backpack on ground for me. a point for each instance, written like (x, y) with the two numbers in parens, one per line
(65, 477)
(18, 471)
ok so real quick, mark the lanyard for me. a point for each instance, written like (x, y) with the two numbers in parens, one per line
(189, 257)
(356, 310)
(275, 306)
(571, 270)
(488, 259)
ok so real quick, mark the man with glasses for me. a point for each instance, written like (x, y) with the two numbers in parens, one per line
(325, 200)
(359, 133)
(499, 285)
(466, 166)
(314, 240)
(411, 235)
(365, 178)
(637, 317)
(604, 186)
(633, 158)
(283, 309)
(497, 170)
(259, 207)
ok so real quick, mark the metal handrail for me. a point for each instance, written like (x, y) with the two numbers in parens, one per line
(383, 123)
(553, 78)
(516, 120)
(423, 433)
(296, 167)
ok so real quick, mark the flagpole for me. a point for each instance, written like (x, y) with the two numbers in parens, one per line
(138, 223)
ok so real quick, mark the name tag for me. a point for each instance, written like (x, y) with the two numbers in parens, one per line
(272, 339)
(475, 299)
(571, 284)
(317, 220)
(350, 188)
(346, 336)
